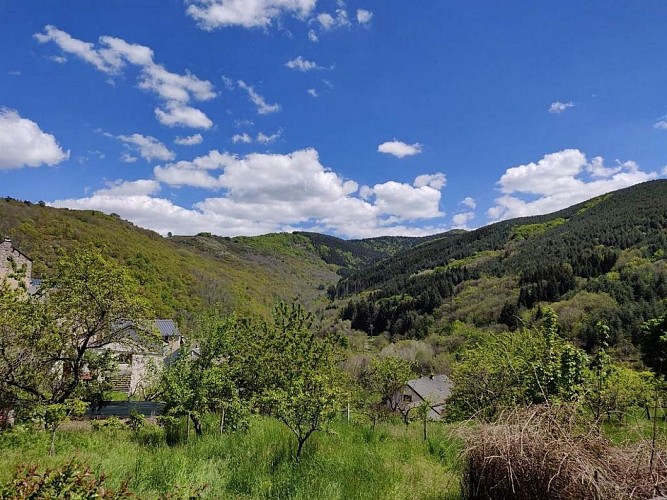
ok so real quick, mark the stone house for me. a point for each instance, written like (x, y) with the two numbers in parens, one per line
(140, 354)
(435, 389)
(12, 259)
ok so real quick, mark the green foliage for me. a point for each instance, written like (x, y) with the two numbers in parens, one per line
(654, 344)
(528, 230)
(46, 339)
(72, 480)
(386, 378)
(304, 388)
(524, 367)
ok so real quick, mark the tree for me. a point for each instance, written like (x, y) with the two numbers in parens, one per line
(653, 344)
(385, 379)
(206, 379)
(45, 339)
(304, 387)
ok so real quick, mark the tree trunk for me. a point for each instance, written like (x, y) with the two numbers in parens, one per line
(425, 423)
(222, 420)
(196, 421)
(187, 426)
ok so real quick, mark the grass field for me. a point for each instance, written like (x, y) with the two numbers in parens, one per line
(350, 461)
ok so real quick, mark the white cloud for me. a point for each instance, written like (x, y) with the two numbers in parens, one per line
(312, 36)
(661, 124)
(329, 22)
(312, 93)
(301, 64)
(558, 107)
(14, 73)
(400, 149)
(558, 181)
(469, 202)
(664, 170)
(211, 14)
(58, 59)
(259, 193)
(149, 148)
(436, 181)
(262, 138)
(126, 157)
(229, 83)
(179, 115)
(113, 54)
(262, 107)
(141, 187)
(243, 138)
(408, 202)
(364, 16)
(23, 143)
(191, 140)
(460, 221)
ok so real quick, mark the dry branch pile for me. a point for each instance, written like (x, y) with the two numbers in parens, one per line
(548, 453)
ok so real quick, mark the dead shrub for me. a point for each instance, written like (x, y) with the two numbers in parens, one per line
(551, 453)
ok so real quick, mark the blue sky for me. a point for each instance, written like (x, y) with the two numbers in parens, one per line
(354, 118)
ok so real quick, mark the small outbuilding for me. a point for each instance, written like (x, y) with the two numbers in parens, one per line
(435, 389)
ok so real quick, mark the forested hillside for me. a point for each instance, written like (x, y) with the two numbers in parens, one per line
(600, 260)
(182, 274)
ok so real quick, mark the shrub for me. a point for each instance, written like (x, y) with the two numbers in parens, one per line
(72, 480)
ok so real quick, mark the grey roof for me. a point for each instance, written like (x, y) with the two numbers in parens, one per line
(436, 388)
(167, 328)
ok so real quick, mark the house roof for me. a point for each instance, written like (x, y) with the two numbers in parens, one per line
(167, 328)
(436, 388)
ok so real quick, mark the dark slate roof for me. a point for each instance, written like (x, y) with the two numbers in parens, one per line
(167, 328)
(436, 388)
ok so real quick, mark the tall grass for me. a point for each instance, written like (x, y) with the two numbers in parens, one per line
(348, 462)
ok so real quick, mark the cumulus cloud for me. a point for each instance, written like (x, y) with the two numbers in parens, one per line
(664, 170)
(212, 14)
(364, 16)
(559, 180)
(24, 144)
(460, 220)
(126, 157)
(149, 148)
(469, 202)
(400, 149)
(191, 140)
(312, 93)
(558, 107)
(260, 193)
(262, 107)
(312, 36)
(301, 64)
(111, 55)
(436, 181)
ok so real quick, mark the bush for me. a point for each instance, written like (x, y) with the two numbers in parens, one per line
(72, 480)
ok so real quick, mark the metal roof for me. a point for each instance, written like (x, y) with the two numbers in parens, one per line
(436, 388)
(167, 328)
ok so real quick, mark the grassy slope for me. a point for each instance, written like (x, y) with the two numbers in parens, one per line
(349, 462)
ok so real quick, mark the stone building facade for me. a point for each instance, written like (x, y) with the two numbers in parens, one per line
(9, 254)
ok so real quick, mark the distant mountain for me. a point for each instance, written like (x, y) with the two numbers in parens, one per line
(603, 259)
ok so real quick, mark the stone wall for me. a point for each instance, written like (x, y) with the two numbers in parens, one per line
(7, 252)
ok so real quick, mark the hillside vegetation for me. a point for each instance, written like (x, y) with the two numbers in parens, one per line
(180, 275)
(600, 260)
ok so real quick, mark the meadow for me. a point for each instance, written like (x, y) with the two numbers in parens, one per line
(347, 461)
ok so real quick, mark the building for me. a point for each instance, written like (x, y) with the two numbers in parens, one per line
(139, 354)
(435, 389)
(13, 262)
